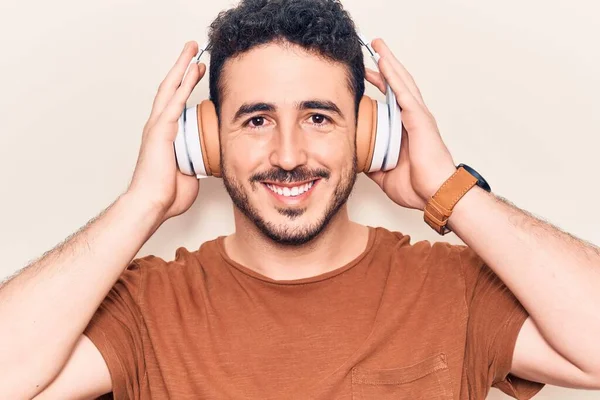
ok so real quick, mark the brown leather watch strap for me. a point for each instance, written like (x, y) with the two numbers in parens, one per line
(440, 206)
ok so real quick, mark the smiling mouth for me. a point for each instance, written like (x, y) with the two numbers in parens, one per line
(293, 191)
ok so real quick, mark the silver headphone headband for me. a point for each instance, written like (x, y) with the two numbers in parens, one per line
(361, 38)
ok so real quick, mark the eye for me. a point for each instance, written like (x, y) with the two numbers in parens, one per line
(319, 119)
(255, 122)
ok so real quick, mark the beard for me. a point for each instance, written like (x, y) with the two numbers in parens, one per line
(282, 234)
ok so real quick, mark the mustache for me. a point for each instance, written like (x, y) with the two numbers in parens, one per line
(300, 174)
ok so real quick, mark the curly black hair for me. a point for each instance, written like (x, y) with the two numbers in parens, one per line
(321, 27)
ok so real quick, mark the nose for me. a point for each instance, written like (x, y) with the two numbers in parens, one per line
(289, 148)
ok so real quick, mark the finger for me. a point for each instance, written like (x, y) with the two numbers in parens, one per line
(403, 159)
(404, 96)
(377, 177)
(169, 85)
(176, 105)
(376, 79)
(384, 51)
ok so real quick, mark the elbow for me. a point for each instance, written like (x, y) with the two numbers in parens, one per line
(595, 381)
(587, 381)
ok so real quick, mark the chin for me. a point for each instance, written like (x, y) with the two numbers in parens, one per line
(292, 226)
(290, 233)
(290, 207)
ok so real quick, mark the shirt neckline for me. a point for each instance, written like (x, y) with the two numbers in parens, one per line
(373, 234)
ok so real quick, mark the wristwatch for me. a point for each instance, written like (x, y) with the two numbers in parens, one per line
(439, 207)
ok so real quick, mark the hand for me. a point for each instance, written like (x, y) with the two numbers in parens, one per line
(425, 162)
(157, 179)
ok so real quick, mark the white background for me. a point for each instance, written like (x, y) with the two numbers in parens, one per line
(513, 84)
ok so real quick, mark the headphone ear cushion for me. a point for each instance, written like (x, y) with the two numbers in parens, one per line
(366, 128)
(208, 129)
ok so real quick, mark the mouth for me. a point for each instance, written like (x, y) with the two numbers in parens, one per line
(291, 193)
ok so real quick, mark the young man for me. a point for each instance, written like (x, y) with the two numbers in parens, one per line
(300, 302)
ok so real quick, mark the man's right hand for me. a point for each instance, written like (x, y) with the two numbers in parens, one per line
(45, 308)
(157, 180)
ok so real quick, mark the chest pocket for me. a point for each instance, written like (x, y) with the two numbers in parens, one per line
(428, 379)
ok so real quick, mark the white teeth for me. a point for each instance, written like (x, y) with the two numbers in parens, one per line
(290, 192)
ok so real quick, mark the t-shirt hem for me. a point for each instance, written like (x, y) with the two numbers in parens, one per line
(115, 368)
(512, 385)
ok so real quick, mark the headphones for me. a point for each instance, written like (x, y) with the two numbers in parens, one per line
(378, 132)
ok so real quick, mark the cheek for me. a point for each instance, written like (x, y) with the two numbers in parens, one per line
(243, 155)
(334, 151)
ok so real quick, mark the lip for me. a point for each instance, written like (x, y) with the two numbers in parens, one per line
(291, 200)
(292, 184)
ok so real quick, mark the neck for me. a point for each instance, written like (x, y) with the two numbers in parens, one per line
(339, 243)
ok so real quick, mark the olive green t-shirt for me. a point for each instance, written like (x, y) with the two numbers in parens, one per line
(401, 321)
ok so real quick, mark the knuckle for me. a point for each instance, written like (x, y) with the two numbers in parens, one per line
(146, 129)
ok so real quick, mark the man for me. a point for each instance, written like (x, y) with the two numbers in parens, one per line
(300, 302)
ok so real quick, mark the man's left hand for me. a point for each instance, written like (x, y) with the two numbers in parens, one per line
(425, 162)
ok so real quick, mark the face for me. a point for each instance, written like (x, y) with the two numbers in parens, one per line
(287, 133)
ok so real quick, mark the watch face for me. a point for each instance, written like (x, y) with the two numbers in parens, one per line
(481, 182)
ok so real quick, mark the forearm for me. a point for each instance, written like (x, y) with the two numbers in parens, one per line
(45, 309)
(554, 275)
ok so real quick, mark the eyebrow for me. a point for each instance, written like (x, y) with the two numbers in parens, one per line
(249, 108)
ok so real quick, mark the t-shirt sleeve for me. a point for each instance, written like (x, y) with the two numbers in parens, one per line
(115, 329)
(495, 320)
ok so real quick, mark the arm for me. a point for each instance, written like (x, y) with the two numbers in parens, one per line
(47, 306)
(84, 376)
(555, 276)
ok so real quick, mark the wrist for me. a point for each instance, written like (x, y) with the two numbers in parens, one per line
(151, 212)
(436, 184)
(471, 201)
(442, 205)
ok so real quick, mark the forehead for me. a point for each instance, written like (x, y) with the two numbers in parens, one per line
(283, 73)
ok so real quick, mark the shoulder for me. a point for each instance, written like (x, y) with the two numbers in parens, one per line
(154, 270)
(424, 251)
(429, 271)
(438, 260)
